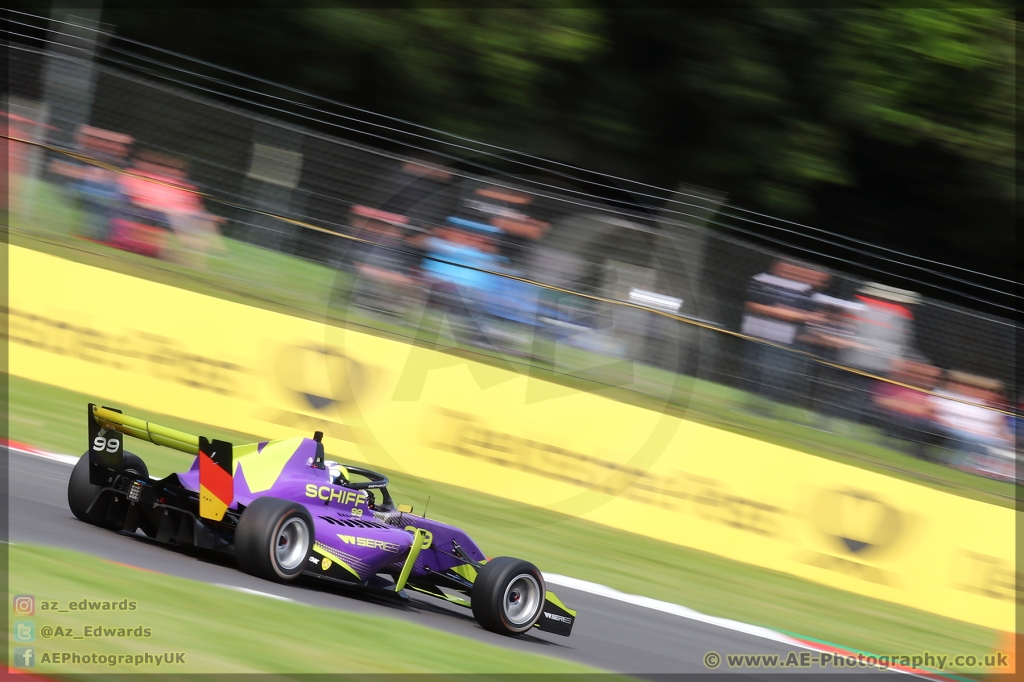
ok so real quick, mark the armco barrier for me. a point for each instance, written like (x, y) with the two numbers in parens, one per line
(510, 435)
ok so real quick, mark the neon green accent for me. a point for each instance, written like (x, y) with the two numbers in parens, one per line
(414, 551)
(550, 596)
(466, 571)
(330, 555)
(261, 469)
(144, 430)
(345, 476)
(439, 595)
(242, 451)
(458, 600)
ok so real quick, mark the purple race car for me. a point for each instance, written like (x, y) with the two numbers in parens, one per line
(284, 512)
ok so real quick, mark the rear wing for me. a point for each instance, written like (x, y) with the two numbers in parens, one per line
(106, 455)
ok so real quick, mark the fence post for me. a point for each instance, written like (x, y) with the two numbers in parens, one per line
(687, 237)
(69, 80)
(275, 166)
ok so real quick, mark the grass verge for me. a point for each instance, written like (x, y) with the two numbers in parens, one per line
(223, 631)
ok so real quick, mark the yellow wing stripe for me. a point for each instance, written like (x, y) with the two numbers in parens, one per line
(333, 557)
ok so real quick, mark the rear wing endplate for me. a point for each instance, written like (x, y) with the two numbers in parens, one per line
(107, 425)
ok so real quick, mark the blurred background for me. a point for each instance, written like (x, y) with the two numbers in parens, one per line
(814, 245)
(793, 224)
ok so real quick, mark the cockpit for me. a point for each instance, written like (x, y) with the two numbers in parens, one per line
(375, 484)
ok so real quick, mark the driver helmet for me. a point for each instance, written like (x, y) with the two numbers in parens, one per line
(338, 473)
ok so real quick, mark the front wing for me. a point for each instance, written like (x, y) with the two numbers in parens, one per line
(556, 618)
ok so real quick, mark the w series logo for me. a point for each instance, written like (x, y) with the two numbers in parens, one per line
(560, 619)
(368, 542)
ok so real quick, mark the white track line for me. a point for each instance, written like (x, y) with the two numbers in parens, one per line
(246, 590)
(667, 607)
(70, 460)
(600, 590)
(595, 589)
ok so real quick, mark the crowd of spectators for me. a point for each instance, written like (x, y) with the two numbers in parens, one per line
(139, 201)
(448, 268)
(873, 373)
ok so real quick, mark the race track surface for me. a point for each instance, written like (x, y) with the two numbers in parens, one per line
(608, 634)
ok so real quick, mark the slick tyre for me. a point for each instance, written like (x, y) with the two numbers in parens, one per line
(273, 539)
(82, 494)
(508, 596)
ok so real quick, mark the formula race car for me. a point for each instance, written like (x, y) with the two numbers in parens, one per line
(286, 512)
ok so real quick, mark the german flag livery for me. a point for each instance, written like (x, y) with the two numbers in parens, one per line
(216, 487)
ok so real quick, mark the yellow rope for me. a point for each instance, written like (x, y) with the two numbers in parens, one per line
(550, 287)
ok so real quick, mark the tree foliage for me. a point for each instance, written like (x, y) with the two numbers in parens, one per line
(881, 122)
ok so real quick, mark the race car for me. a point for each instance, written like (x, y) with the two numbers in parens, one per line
(285, 512)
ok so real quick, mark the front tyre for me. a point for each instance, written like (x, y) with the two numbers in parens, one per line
(508, 595)
(82, 493)
(273, 539)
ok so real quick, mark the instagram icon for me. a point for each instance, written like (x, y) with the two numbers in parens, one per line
(24, 605)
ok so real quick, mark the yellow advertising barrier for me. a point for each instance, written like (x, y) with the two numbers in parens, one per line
(510, 435)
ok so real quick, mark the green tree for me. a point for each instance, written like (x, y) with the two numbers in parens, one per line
(468, 70)
(878, 122)
(930, 75)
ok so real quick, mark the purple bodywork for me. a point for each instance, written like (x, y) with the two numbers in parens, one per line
(355, 539)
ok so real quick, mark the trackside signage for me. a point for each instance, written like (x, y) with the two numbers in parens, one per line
(515, 437)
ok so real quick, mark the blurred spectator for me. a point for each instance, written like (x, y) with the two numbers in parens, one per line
(1018, 428)
(421, 192)
(97, 188)
(503, 208)
(779, 304)
(105, 146)
(386, 263)
(825, 336)
(463, 242)
(19, 154)
(964, 411)
(908, 414)
(463, 292)
(162, 197)
(883, 327)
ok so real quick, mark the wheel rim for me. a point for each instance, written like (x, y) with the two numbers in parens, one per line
(522, 599)
(290, 544)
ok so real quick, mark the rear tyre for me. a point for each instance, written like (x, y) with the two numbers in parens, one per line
(508, 596)
(273, 539)
(133, 464)
(82, 494)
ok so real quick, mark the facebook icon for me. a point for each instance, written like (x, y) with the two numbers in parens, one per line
(24, 656)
